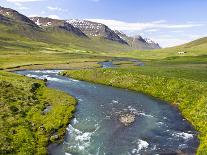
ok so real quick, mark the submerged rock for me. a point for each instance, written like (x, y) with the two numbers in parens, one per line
(127, 119)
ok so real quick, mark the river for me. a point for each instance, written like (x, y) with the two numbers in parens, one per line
(158, 127)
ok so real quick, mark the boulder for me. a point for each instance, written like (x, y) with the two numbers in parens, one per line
(127, 119)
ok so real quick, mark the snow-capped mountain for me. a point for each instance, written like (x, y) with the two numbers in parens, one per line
(61, 24)
(93, 29)
(34, 26)
(138, 42)
(152, 43)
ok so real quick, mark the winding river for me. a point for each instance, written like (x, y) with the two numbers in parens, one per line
(158, 127)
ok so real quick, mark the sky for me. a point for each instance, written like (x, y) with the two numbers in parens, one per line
(168, 22)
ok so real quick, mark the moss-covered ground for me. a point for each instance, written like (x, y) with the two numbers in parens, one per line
(25, 126)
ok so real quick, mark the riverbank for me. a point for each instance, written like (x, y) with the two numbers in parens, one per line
(188, 95)
(32, 115)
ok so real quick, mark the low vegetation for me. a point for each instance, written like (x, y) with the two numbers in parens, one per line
(188, 94)
(31, 115)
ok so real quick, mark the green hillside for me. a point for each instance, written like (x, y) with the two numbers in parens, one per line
(21, 44)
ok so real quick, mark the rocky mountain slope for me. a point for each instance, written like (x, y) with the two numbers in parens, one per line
(138, 42)
(4, 19)
(16, 16)
(55, 23)
(94, 29)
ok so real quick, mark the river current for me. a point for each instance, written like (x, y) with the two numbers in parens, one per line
(96, 129)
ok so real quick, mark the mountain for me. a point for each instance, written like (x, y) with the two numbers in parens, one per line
(138, 42)
(55, 23)
(21, 34)
(4, 19)
(93, 29)
(152, 43)
(16, 16)
(73, 34)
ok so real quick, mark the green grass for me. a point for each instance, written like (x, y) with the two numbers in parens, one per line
(189, 95)
(24, 127)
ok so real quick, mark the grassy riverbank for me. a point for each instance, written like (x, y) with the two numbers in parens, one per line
(26, 127)
(181, 90)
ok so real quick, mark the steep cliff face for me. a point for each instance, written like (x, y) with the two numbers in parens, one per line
(93, 29)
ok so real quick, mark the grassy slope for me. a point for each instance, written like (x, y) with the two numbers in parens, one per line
(24, 128)
(23, 45)
(195, 48)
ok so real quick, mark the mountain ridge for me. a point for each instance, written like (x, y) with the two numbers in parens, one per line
(138, 42)
(95, 29)
(45, 22)
(37, 27)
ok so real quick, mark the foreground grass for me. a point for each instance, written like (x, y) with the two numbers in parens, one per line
(189, 95)
(25, 126)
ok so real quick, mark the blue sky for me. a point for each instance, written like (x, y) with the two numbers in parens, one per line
(168, 22)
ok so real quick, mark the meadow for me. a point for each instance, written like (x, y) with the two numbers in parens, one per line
(25, 126)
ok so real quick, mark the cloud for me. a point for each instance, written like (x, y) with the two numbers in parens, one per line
(138, 26)
(56, 9)
(33, 15)
(23, 8)
(22, 1)
(152, 30)
(170, 40)
(54, 16)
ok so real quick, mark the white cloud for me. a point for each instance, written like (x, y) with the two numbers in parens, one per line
(23, 8)
(22, 1)
(152, 30)
(167, 40)
(54, 16)
(138, 26)
(33, 15)
(56, 9)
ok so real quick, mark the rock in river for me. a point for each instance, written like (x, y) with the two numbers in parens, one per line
(127, 119)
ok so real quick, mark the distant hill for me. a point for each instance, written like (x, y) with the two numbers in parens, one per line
(199, 44)
(138, 42)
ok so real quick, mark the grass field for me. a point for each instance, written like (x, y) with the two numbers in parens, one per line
(24, 126)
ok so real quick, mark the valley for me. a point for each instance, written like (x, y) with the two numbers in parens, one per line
(134, 72)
